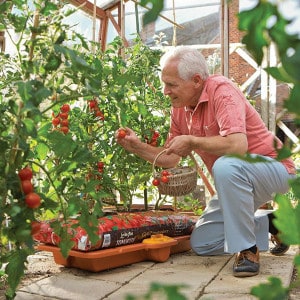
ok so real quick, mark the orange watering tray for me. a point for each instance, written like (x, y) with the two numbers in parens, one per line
(157, 248)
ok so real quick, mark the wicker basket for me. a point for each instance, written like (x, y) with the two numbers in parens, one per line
(182, 180)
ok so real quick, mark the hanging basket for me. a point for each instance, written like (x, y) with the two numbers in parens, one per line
(181, 180)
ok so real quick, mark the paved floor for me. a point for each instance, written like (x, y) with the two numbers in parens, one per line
(202, 277)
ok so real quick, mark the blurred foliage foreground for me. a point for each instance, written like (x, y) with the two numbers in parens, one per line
(61, 102)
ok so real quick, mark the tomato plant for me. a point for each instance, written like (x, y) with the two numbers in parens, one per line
(61, 104)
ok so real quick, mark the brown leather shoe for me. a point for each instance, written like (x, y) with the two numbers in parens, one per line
(246, 264)
(279, 247)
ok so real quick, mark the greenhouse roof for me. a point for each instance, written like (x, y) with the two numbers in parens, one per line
(101, 5)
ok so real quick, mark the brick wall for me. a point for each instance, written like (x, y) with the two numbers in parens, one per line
(240, 70)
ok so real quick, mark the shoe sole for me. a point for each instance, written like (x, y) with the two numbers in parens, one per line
(280, 253)
(244, 274)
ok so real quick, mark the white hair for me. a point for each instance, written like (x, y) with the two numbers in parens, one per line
(190, 62)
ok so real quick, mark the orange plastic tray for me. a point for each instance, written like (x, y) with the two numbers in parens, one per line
(106, 259)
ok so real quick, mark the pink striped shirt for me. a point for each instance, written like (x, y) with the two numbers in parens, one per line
(222, 110)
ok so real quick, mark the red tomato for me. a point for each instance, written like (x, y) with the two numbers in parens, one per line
(64, 129)
(27, 186)
(35, 227)
(156, 182)
(64, 122)
(64, 115)
(121, 133)
(155, 134)
(93, 104)
(165, 173)
(25, 174)
(55, 121)
(33, 200)
(100, 165)
(65, 108)
(164, 179)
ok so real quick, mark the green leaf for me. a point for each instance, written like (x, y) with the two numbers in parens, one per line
(65, 245)
(15, 269)
(279, 34)
(254, 22)
(66, 242)
(293, 102)
(295, 185)
(280, 74)
(270, 291)
(24, 89)
(89, 223)
(61, 144)
(153, 13)
(53, 62)
(30, 127)
(142, 109)
(289, 228)
(291, 62)
(49, 8)
(297, 261)
(283, 153)
(41, 151)
(5, 6)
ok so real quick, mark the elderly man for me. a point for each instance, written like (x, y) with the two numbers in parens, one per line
(211, 117)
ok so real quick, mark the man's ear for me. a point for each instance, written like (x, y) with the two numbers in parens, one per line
(197, 80)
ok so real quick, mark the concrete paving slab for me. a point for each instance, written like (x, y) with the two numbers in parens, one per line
(192, 271)
(70, 287)
(205, 278)
(121, 274)
(29, 296)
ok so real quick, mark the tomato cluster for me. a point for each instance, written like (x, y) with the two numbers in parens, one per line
(93, 176)
(60, 121)
(32, 200)
(153, 140)
(94, 107)
(164, 177)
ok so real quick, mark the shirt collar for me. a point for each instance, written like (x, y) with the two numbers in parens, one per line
(203, 98)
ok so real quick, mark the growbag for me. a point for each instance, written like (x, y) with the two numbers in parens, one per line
(120, 229)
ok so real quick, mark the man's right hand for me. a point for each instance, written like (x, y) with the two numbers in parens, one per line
(127, 138)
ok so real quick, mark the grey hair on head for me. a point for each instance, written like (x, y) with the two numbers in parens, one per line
(190, 62)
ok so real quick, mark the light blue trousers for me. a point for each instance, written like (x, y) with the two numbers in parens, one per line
(231, 221)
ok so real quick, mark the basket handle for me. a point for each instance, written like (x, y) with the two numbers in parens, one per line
(198, 168)
(155, 159)
(163, 151)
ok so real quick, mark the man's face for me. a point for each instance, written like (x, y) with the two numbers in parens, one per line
(181, 92)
